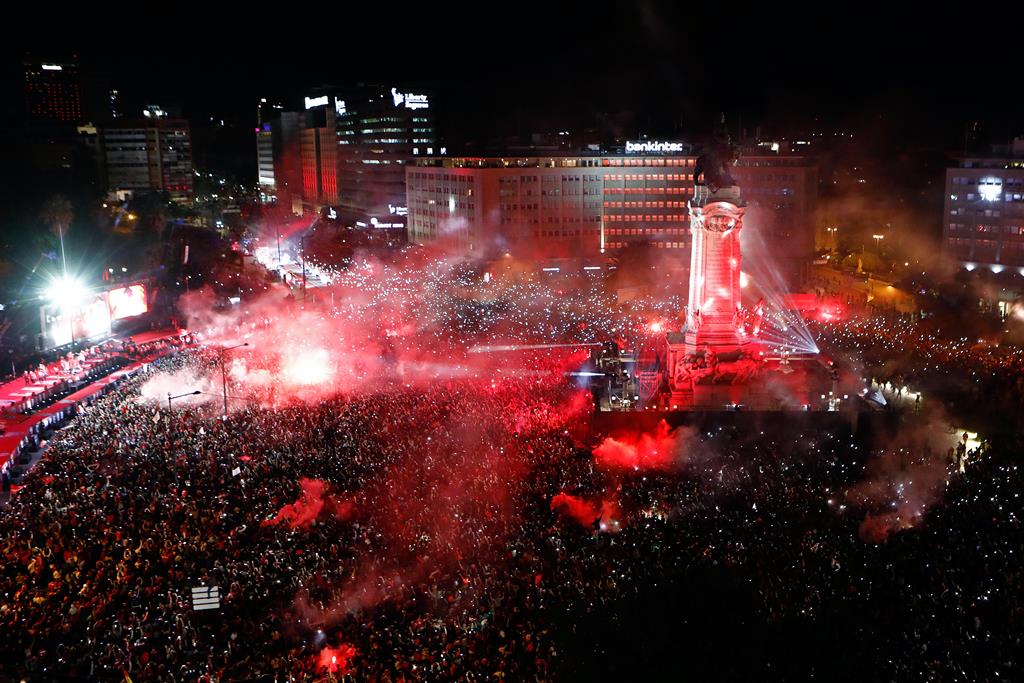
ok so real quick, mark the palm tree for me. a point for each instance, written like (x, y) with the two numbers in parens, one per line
(57, 214)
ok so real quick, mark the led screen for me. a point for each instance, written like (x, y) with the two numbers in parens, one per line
(127, 301)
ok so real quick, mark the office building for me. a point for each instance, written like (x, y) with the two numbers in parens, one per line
(352, 148)
(53, 92)
(983, 222)
(594, 205)
(151, 153)
(265, 161)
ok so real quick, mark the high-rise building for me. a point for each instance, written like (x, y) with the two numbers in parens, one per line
(287, 161)
(152, 153)
(265, 161)
(352, 147)
(53, 92)
(983, 224)
(318, 152)
(114, 103)
(559, 207)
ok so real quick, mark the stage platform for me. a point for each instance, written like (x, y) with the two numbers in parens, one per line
(19, 433)
(155, 335)
(20, 430)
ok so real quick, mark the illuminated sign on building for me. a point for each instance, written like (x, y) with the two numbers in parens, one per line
(990, 189)
(332, 214)
(377, 224)
(316, 101)
(339, 107)
(410, 100)
(646, 147)
(398, 210)
(52, 67)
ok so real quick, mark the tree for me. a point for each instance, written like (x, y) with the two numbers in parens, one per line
(57, 214)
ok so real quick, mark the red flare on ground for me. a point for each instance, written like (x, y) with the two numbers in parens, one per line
(877, 528)
(336, 659)
(310, 504)
(638, 451)
(587, 512)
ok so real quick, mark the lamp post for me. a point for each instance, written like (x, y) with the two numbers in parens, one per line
(224, 373)
(833, 237)
(63, 258)
(171, 398)
(878, 241)
(302, 257)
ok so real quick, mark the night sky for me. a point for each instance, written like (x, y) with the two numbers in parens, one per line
(522, 66)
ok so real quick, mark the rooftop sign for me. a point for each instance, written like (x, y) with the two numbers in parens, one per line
(410, 100)
(654, 146)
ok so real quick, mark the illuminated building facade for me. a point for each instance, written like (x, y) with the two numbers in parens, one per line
(353, 148)
(53, 92)
(983, 222)
(286, 161)
(150, 154)
(265, 159)
(592, 205)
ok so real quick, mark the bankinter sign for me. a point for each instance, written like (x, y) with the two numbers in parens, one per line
(657, 147)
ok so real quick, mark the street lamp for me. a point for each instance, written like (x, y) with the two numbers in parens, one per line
(878, 241)
(302, 257)
(833, 237)
(224, 373)
(171, 398)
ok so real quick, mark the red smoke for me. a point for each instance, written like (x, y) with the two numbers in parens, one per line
(639, 451)
(587, 512)
(310, 504)
(876, 528)
(336, 659)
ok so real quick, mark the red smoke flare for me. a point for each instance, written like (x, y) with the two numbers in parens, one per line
(336, 659)
(587, 512)
(639, 451)
(310, 504)
(876, 528)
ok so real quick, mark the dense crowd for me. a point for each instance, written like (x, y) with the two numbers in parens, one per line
(409, 533)
(967, 372)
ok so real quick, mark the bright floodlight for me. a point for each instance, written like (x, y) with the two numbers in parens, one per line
(65, 292)
(990, 189)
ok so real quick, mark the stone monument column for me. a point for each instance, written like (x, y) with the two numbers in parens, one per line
(714, 316)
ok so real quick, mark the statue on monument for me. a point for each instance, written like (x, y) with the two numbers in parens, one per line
(712, 167)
